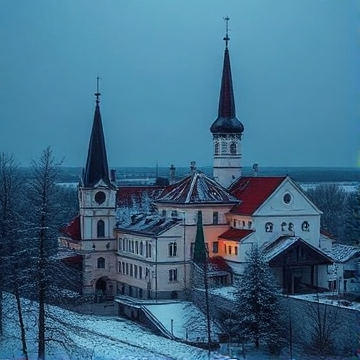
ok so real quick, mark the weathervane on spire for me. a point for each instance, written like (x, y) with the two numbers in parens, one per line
(226, 38)
(97, 94)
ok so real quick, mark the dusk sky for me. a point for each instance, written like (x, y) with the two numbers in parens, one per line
(295, 67)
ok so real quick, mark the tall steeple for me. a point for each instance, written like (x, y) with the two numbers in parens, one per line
(226, 129)
(96, 165)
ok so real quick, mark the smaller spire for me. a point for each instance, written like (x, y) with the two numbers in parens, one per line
(226, 38)
(97, 94)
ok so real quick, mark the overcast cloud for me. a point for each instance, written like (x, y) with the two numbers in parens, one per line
(295, 70)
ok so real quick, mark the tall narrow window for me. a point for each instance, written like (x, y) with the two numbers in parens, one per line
(173, 275)
(101, 263)
(215, 217)
(100, 228)
(140, 272)
(136, 247)
(120, 244)
(215, 247)
(141, 248)
(230, 249)
(131, 269)
(119, 267)
(236, 250)
(173, 249)
(224, 148)
(135, 271)
(233, 149)
(217, 148)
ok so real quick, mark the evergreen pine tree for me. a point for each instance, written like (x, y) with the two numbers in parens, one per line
(258, 304)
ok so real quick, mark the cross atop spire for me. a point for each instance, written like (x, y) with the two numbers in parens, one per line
(226, 38)
(97, 94)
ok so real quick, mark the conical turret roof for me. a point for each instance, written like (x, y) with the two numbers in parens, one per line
(226, 122)
(96, 165)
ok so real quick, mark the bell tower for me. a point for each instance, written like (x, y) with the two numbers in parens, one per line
(97, 200)
(226, 129)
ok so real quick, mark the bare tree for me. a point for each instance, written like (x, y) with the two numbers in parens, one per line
(11, 236)
(333, 201)
(53, 280)
(324, 322)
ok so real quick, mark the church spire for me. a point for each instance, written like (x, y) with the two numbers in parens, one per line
(226, 129)
(96, 165)
(226, 121)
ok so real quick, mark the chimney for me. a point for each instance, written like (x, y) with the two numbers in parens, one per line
(256, 169)
(113, 175)
(172, 174)
(192, 166)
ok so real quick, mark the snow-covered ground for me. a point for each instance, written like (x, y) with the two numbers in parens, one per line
(104, 338)
(100, 338)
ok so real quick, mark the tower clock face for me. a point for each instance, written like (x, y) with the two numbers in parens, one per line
(100, 197)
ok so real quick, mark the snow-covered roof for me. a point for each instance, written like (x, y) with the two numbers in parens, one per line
(148, 224)
(253, 192)
(342, 253)
(128, 195)
(273, 249)
(235, 234)
(196, 188)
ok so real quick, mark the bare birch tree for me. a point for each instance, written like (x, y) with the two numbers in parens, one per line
(11, 237)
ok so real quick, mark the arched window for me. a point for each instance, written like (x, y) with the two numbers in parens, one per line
(217, 148)
(291, 227)
(100, 228)
(283, 225)
(305, 226)
(233, 149)
(101, 263)
(269, 227)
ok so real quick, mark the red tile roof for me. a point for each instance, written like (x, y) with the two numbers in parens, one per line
(235, 234)
(218, 263)
(127, 195)
(73, 229)
(327, 234)
(253, 192)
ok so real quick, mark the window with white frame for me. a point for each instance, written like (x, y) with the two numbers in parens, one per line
(173, 249)
(173, 275)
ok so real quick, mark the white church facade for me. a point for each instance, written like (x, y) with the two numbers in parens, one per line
(146, 253)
